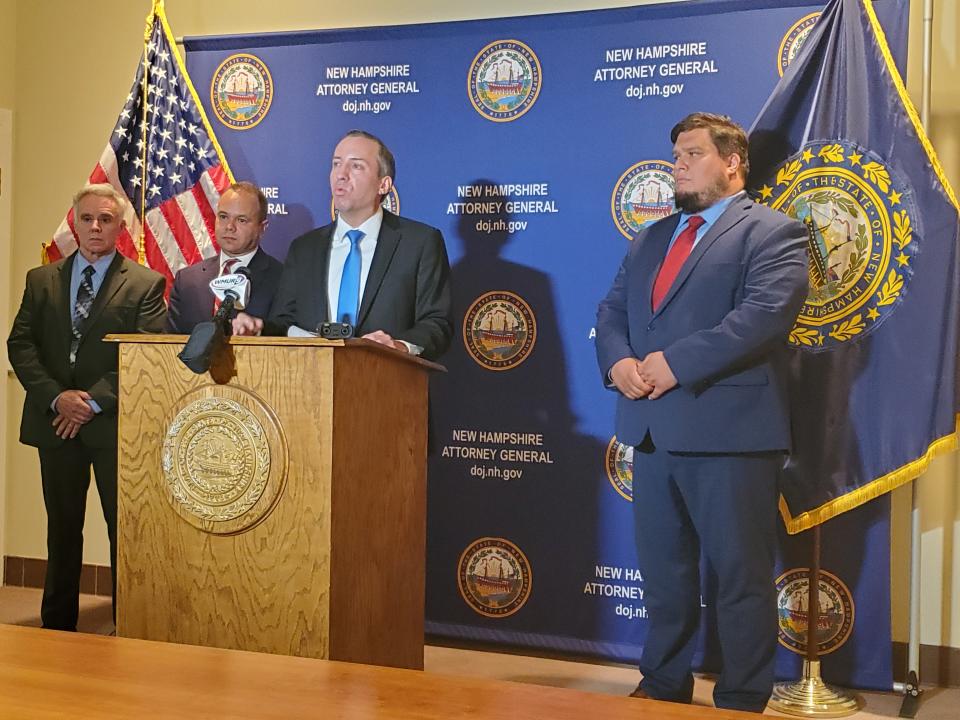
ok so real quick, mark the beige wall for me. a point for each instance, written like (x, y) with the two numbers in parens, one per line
(937, 490)
(63, 138)
(8, 21)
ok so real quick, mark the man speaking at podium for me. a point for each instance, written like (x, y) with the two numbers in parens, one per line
(385, 275)
(70, 414)
(240, 223)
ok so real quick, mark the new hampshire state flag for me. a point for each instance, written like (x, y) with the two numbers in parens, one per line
(873, 354)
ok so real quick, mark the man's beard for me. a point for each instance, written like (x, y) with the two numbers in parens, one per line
(694, 202)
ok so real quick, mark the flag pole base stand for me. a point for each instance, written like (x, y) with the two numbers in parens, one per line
(911, 696)
(811, 697)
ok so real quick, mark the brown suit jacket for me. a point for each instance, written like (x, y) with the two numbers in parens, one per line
(130, 300)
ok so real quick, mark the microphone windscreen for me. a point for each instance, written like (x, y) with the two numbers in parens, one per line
(201, 344)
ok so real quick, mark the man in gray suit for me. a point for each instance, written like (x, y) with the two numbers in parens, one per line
(56, 349)
(386, 275)
(689, 337)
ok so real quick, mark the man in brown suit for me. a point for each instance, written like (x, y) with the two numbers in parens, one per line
(70, 376)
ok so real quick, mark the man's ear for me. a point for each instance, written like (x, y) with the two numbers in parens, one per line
(733, 163)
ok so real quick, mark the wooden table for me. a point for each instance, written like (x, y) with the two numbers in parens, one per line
(46, 674)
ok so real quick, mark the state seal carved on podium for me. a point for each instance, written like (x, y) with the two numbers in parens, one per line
(223, 459)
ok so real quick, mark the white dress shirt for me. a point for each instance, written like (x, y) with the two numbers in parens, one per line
(340, 248)
(242, 260)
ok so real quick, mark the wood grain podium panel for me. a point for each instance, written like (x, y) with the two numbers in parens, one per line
(379, 458)
(335, 569)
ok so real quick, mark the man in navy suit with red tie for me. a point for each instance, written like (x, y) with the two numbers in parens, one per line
(690, 336)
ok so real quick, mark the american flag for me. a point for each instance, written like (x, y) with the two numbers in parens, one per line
(168, 164)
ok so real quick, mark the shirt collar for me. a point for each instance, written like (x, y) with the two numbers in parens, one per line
(242, 260)
(369, 227)
(713, 212)
(100, 265)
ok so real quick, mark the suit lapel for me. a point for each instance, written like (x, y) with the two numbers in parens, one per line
(321, 259)
(256, 263)
(387, 243)
(209, 269)
(62, 293)
(112, 282)
(655, 251)
(730, 217)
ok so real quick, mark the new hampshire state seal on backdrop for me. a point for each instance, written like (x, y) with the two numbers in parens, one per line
(241, 91)
(860, 219)
(836, 611)
(794, 39)
(494, 577)
(619, 465)
(499, 330)
(642, 195)
(504, 80)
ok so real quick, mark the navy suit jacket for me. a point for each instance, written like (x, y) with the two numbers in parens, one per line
(407, 293)
(191, 300)
(722, 328)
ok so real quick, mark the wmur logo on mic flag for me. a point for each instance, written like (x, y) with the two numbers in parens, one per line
(873, 355)
(163, 155)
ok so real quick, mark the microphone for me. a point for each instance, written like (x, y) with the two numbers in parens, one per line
(233, 291)
(336, 330)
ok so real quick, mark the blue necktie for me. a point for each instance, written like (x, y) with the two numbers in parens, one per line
(348, 302)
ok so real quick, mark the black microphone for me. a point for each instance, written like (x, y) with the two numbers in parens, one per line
(336, 330)
(233, 291)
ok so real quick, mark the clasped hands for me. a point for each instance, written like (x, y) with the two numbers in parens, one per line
(648, 378)
(73, 411)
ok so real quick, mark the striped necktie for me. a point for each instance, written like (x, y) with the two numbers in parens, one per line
(228, 268)
(81, 310)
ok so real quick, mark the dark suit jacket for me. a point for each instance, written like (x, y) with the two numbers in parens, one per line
(407, 293)
(721, 327)
(191, 300)
(130, 300)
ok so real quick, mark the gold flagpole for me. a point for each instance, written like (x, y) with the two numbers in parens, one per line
(810, 696)
(145, 137)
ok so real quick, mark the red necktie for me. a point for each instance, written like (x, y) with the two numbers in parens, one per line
(674, 260)
(228, 267)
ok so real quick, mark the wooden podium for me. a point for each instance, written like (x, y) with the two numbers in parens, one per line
(276, 503)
